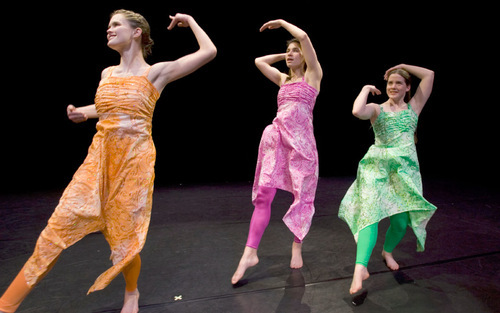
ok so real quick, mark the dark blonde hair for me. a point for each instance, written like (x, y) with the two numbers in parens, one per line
(138, 21)
(407, 77)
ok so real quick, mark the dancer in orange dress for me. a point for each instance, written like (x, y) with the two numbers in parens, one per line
(112, 190)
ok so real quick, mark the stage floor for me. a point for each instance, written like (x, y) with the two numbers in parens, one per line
(198, 233)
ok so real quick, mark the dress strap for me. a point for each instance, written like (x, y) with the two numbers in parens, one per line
(110, 71)
(146, 72)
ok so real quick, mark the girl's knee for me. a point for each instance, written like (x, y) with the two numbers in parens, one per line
(399, 222)
(265, 196)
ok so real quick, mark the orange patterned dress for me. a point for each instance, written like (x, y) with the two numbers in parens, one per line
(112, 190)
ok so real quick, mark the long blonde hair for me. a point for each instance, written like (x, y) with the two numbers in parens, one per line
(138, 21)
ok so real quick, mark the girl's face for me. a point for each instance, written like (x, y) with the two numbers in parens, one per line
(294, 58)
(396, 87)
(119, 32)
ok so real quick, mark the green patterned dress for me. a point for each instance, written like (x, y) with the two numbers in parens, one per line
(388, 181)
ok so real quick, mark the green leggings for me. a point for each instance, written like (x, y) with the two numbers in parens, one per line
(368, 237)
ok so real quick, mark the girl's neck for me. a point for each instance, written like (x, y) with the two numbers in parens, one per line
(396, 102)
(295, 75)
(131, 61)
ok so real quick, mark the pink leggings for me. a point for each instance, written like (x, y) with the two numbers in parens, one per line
(261, 216)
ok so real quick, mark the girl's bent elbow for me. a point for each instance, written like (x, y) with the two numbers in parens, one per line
(209, 54)
(213, 53)
(303, 37)
(359, 114)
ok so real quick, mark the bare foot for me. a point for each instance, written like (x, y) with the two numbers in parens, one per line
(248, 259)
(296, 261)
(389, 261)
(360, 274)
(131, 302)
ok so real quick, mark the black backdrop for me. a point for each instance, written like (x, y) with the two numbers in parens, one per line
(207, 126)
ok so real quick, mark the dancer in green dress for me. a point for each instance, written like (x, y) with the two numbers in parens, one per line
(388, 182)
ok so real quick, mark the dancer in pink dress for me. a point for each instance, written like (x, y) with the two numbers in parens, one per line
(288, 158)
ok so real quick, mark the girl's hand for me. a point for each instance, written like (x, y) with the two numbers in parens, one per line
(180, 20)
(373, 90)
(386, 75)
(74, 115)
(271, 25)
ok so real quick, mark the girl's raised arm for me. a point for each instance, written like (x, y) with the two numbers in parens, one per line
(166, 72)
(264, 65)
(363, 110)
(424, 89)
(314, 73)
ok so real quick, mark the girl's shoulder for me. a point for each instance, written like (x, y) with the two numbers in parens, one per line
(107, 71)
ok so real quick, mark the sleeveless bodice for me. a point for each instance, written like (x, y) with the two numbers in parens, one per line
(297, 93)
(134, 95)
(393, 129)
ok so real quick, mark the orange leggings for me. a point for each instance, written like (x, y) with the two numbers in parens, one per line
(19, 289)
(15, 294)
(131, 273)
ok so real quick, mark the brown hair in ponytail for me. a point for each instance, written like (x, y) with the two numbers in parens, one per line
(138, 21)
